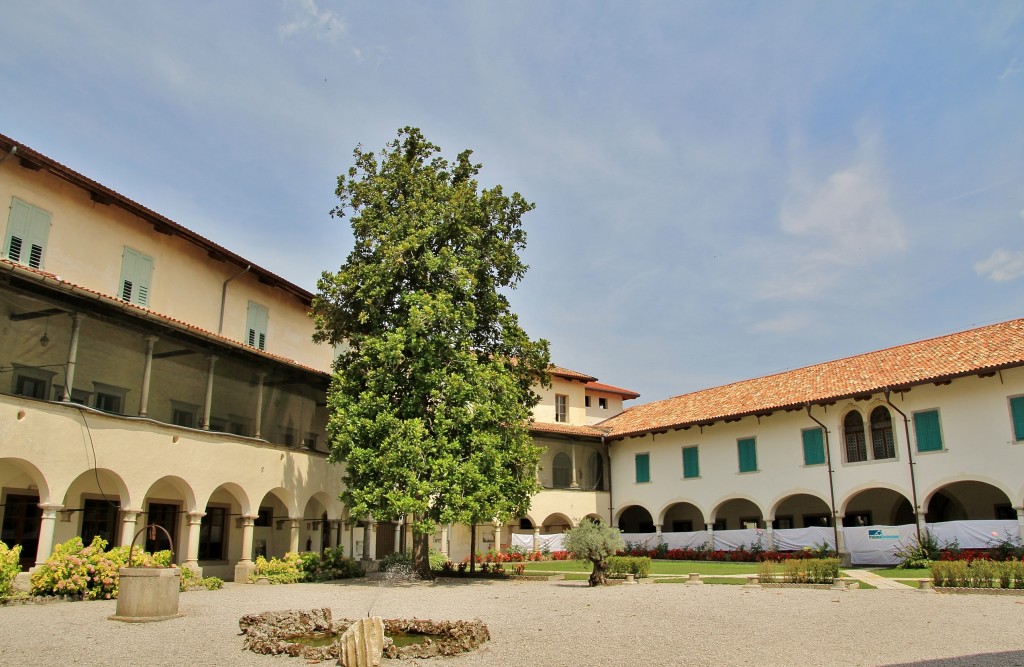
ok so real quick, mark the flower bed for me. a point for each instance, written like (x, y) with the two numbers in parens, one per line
(979, 573)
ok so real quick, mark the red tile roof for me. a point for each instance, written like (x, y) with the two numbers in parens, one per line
(568, 374)
(981, 350)
(566, 429)
(609, 389)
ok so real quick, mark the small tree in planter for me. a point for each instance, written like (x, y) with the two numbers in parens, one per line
(595, 542)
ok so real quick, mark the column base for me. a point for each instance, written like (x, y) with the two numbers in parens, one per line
(23, 582)
(242, 571)
(194, 566)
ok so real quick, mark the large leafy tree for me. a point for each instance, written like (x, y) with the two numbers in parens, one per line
(432, 394)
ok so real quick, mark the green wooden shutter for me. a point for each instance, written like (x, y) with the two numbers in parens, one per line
(1017, 410)
(256, 326)
(27, 230)
(814, 447)
(926, 427)
(643, 468)
(691, 462)
(136, 277)
(748, 454)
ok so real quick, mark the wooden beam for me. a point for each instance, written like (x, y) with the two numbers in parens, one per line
(34, 315)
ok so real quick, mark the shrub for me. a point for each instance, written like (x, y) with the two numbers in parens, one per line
(400, 561)
(437, 560)
(9, 567)
(799, 571)
(766, 572)
(329, 566)
(278, 571)
(213, 583)
(923, 550)
(623, 565)
(979, 573)
(1008, 547)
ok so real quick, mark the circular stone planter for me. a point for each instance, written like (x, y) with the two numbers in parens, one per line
(279, 632)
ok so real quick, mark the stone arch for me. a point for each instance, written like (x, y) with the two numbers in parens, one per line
(169, 502)
(800, 509)
(967, 499)
(735, 512)
(24, 475)
(319, 522)
(879, 504)
(596, 518)
(272, 529)
(635, 518)
(556, 522)
(681, 516)
(220, 537)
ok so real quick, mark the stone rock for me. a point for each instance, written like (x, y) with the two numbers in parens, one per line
(362, 644)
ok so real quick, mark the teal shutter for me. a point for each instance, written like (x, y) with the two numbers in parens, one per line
(1017, 410)
(691, 462)
(256, 326)
(27, 230)
(136, 276)
(643, 468)
(926, 427)
(814, 447)
(748, 454)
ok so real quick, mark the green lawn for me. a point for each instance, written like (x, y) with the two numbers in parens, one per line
(657, 567)
(904, 573)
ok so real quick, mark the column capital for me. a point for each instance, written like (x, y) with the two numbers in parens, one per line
(248, 520)
(50, 510)
(195, 517)
(151, 338)
(130, 514)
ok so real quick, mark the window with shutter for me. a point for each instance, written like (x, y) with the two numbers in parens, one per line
(136, 276)
(256, 326)
(747, 451)
(1017, 413)
(28, 228)
(691, 462)
(814, 447)
(643, 468)
(926, 428)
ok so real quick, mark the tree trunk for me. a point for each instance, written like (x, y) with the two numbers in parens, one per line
(599, 576)
(421, 553)
(472, 548)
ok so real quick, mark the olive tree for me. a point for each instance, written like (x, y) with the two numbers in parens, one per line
(594, 541)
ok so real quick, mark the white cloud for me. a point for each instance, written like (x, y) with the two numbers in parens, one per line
(308, 18)
(1002, 265)
(1013, 67)
(783, 324)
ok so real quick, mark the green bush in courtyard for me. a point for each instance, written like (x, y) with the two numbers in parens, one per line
(9, 567)
(623, 565)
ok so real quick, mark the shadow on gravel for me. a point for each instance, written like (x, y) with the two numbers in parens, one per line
(1001, 659)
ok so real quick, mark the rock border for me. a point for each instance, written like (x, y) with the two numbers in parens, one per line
(273, 632)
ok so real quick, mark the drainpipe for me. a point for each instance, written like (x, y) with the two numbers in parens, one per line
(14, 149)
(224, 297)
(608, 476)
(831, 485)
(910, 460)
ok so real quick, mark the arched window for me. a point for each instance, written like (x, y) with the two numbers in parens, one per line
(561, 471)
(883, 446)
(853, 433)
(596, 469)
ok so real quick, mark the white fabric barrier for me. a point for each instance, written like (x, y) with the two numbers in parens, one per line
(974, 534)
(692, 540)
(877, 545)
(554, 542)
(641, 540)
(732, 540)
(795, 539)
(523, 541)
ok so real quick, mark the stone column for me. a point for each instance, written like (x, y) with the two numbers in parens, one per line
(444, 540)
(147, 371)
(497, 536)
(710, 526)
(260, 377)
(770, 532)
(1020, 521)
(244, 567)
(840, 538)
(575, 482)
(403, 538)
(373, 540)
(657, 535)
(47, 522)
(293, 537)
(192, 545)
(69, 375)
(208, 404)
(536, 539)
(398, 536)
(366, 540)
(129, 521)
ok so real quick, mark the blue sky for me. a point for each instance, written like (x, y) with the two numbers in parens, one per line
(723, 190)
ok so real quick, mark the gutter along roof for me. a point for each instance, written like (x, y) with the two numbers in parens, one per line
(981, 351)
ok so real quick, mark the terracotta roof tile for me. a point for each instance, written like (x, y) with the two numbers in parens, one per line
(978, 350)
(566, 429)
(570, 374)
(609, 389)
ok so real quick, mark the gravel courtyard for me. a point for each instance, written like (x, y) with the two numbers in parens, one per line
(557, 623)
